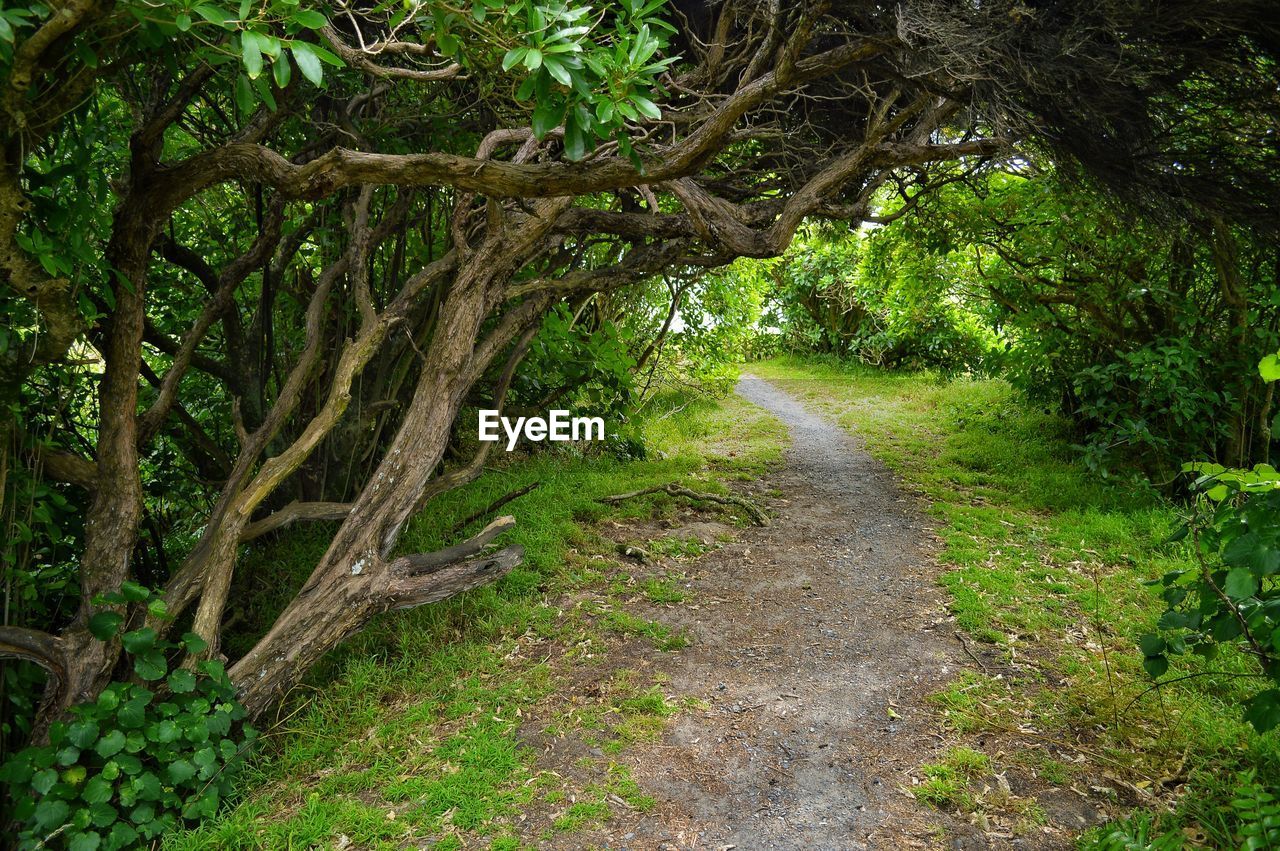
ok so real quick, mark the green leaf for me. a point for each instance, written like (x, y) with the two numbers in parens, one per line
(134, 592)
(103, 625)
(244, 95)
(182, 681)
(513, 57)
(1269, 368)
(181, 771)
(308, 63)
(133, 714)
(1152, 645)
(309, 18)
(150, 666)
(84, 842)
(182, 21)
(122, 835)
(97, 791)
(251, 54)
(109, 699)
(1263, 710)
(533, 59)
(51, 814)
(1155, 666)
(214, 15)
(557, 70)
(110, 744)
(6, 31)
(139, 640)
(42, 781)
(282, 71)
(1240, 584)
(646, 107)
(82, 734)
(546, 117)
(194, 643)
(102, 814)
(575, 143)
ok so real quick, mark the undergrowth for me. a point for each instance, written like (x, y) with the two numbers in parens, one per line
(411, 731)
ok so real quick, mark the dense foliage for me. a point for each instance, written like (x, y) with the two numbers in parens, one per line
(261, 263)
(1144, 332)
(135, 763)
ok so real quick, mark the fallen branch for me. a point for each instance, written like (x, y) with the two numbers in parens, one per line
(494, 506)
(673, 489)
(420, 563)
(292, 513)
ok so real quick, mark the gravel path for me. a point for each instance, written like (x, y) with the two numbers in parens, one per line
(816, 640)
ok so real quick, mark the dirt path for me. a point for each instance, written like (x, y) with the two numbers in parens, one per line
(817, 640)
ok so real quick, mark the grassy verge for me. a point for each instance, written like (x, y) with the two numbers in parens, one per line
(415, 730)
(1045, 564)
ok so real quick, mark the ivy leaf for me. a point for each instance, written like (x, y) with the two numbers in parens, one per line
(133, 714)
(1240, 584)
(133, 591)
(194, 643)
(102, 814)
(42, 781)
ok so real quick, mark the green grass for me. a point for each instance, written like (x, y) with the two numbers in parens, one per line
(408, 732)
(1044, 569)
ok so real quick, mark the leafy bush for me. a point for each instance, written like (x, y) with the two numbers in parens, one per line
(880, 300)
(139, 760)
(1234, 596)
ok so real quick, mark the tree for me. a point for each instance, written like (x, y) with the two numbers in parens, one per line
(303, 277)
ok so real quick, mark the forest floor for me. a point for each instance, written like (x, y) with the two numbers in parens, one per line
(932, 645)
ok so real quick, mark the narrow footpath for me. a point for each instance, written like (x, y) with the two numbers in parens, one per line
(821, 637)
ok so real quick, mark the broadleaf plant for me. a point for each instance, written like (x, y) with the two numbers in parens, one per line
(1233, 598)
(143, 759)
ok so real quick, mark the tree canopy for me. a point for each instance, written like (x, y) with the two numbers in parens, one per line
(257, 259)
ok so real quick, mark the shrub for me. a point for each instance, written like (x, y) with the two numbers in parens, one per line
(146, 756)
